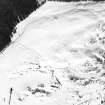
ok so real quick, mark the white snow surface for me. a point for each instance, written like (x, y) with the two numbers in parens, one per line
(56, 57)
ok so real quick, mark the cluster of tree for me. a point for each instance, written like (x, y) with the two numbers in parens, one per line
(11, 12)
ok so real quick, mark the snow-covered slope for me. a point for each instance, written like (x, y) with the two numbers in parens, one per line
(56, 57)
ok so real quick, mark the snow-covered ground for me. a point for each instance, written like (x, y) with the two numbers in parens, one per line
(56, 57)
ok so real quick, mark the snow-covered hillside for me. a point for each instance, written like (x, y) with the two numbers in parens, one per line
(56, 57)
